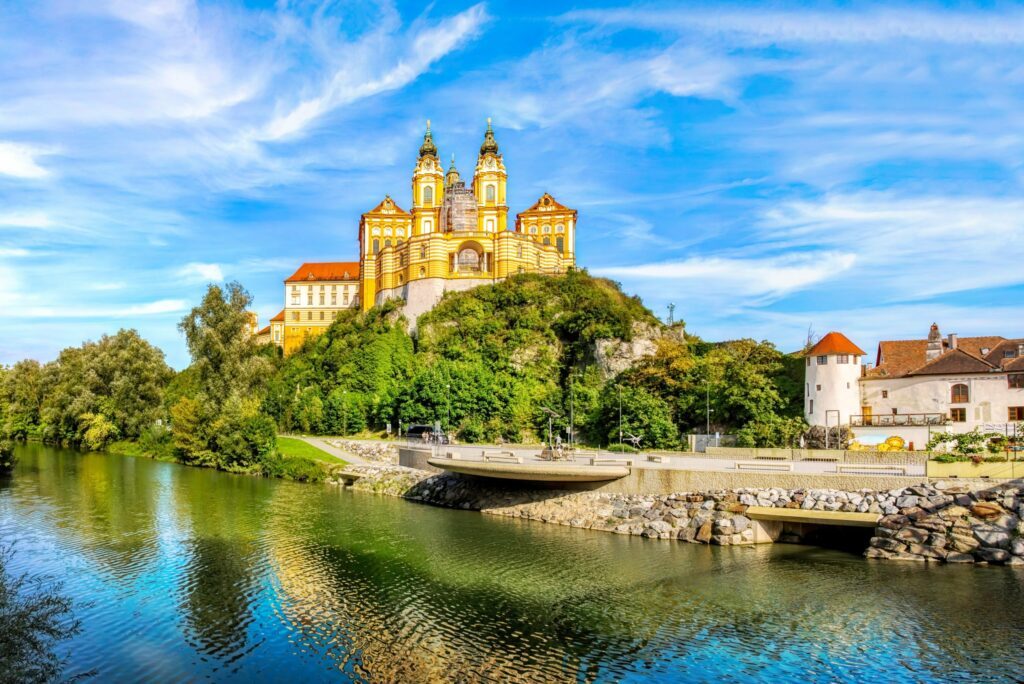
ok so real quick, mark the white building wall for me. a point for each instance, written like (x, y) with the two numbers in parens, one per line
(990, 397)
(831, 387)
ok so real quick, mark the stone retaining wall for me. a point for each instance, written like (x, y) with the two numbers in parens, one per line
(923, 522)
(843, 456)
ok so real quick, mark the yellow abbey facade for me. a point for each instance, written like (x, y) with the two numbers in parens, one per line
(455, 236)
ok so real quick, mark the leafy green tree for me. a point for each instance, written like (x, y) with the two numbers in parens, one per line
(771, 431)
(188, 430)
(643, 414)
(113, 387)
(226, 360)
(36, 616)
(243, 437)
(21, 395)
(308, 410)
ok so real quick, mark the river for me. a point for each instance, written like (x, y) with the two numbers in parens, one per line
(184, 573)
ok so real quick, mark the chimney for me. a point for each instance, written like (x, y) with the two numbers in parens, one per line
(953, 341)
(934, 349)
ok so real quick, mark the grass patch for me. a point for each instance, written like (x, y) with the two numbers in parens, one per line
(290, 447)
(299, 460)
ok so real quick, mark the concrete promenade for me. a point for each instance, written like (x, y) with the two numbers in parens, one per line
(689, 461)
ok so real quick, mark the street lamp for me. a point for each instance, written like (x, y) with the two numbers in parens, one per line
(619, 388)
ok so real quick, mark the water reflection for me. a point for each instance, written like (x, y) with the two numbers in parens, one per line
(234, 577)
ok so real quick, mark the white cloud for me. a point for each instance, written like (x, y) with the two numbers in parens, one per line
(13, 252)
(20, 160)
(397, 63)
(909, 247)
(25, 219)
(159, 307)
(200, 272)
(738, 279)
(840, 26)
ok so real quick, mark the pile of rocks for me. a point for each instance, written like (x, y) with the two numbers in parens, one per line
(949, 522)
(375, 452)
(941, 522)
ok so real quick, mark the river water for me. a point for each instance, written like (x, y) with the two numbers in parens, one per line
(186, 574)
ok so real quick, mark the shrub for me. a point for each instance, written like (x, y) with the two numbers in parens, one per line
(7, 457)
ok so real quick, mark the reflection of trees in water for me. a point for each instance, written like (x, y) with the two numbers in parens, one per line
(221, 516)
(217, 589)
(104, 506)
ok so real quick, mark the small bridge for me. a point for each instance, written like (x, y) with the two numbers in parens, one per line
(813, 517)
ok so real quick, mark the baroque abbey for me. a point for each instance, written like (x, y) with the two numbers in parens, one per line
(454, 237)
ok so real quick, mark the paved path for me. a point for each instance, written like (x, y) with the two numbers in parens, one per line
(670, 462)
(332, 450)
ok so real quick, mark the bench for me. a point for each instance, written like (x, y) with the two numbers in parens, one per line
(771, 458)
(868, 468)
(628, 462)
(501, 457)
(761, 465)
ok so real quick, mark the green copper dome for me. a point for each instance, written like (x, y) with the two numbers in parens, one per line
(428, 147)
(490, 145)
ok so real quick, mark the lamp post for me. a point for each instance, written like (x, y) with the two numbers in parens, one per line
(344, 411)
(619, 389)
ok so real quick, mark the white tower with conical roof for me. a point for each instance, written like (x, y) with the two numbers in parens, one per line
(832, 373)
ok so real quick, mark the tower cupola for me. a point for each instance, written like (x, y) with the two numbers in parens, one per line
(428, 148)
(453, 176)
(490, 145)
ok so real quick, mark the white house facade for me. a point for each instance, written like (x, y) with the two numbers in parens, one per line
(919, 386)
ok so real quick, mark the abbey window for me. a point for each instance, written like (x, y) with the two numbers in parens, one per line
(489, 194)
(560, 243)
(428, 195)
(376, 245)
(959, 394)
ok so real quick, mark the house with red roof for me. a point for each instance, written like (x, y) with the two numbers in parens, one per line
(917, 386)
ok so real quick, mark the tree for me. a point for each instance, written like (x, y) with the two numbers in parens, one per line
(226, 360)
(771, 431)
(643, 414)
(21, 395)
(113, 387)
(964, 446)
(36, 615)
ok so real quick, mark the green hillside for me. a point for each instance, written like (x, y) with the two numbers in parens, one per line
(486, 362)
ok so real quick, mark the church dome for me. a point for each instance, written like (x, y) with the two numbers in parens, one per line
(428, 147)
(490, 145)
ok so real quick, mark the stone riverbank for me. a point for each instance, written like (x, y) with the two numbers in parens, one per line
(945, 521)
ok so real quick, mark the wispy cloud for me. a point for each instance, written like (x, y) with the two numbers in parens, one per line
(201, 272)
(860, 26)
(21, 161)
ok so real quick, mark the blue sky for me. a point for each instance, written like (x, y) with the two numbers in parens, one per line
(766, 167)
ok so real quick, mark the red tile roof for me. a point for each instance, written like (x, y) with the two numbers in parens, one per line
(278, 317)
(264, 331)
(330, 270)
(835, 343)
(899, 358)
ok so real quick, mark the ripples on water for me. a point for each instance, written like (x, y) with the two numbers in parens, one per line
(184, 574)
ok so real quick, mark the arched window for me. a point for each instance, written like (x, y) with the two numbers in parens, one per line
(423, 251)
(559, 228)
(519, 252)
(469, 260)
(533, 230)
(427, 225)
(547, 240)
(376, 245)
(560, 243)
(387, 231)
(546, 229)
(489, 193)
(400, 231)
(423, 272)
(375, 231)
(428, 195)
(387, 242)
(959, 394)
(489, 226)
